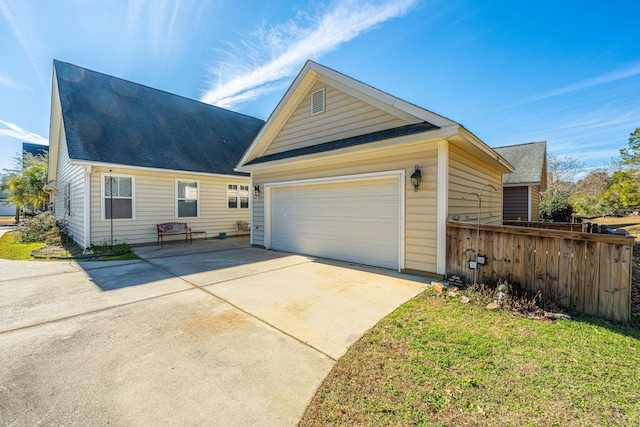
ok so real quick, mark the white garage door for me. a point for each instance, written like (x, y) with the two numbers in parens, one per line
(354, 221)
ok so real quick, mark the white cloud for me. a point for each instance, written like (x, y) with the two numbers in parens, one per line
(20, 31)
(13, 85)
(613, 76)
(15, 131)
(290, 44)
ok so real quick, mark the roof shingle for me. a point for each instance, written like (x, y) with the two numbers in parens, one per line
(110, 120)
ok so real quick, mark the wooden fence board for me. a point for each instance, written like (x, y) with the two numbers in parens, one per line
(518, 261)
(553, 265)
(622, 272)
(486, 243)
(529, 264)
(577, 283)
(540, 273)
(507, 254)
(565, 266)
(591, 278)
(606, 288)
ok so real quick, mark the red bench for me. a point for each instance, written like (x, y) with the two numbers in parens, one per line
(174, 228)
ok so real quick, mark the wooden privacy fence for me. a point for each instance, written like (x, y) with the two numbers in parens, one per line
(588, 273)
(565, 226)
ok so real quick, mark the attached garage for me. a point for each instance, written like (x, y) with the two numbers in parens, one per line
(351, 219)
(344, 171)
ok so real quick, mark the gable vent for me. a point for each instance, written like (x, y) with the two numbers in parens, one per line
(317, 101)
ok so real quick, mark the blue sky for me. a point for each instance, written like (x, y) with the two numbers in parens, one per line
(567, 72)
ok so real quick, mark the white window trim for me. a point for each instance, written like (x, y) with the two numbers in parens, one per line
(226, 190)
(133, 196)
(197, 199)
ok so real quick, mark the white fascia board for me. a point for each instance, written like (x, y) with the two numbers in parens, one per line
(142, 168)
(55, 123)
(485, 148)
(384, 97)
(269, 128)
(430, 136)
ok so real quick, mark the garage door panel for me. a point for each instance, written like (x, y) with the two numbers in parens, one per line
(353, 221)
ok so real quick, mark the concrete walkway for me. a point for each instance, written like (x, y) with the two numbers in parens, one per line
(215, 333)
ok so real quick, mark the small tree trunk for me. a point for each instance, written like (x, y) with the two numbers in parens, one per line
(17, 214)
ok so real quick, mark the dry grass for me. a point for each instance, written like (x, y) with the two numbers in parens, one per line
(438, 362)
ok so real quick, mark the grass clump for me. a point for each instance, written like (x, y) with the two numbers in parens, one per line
(439, 362)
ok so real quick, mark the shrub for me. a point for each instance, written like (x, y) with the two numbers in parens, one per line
(555, 208)
(36, 229)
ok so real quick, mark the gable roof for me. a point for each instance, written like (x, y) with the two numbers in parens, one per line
(419, 121)
(529, 161)
(114, 121)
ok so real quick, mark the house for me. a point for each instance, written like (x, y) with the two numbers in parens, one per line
(522, 188)
(348, 172)
(124, 157)
(35, 149)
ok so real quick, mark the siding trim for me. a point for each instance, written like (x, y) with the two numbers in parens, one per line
(442, 206)
(87, 206)
(399, 174)
(529, 203)
(143, 168)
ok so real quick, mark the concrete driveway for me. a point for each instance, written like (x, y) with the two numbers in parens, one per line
(214, 333)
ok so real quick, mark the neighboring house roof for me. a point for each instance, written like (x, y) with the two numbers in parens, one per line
(529, 161)
(419, 120)
(35, 149)
(113, 121)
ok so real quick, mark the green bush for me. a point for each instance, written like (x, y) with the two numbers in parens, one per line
(36, 229)
(555, 208)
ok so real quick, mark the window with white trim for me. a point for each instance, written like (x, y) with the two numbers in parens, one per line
(237, 196)
(187, 199)
(117, 197)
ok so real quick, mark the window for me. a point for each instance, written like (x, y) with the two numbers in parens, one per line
(237, 196)
(117, 197)
(187, 199)
(317, 101)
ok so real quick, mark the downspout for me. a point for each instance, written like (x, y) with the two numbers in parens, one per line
(529, 203)
(87, 206)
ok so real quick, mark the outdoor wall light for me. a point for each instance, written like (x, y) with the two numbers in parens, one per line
(256, 191)
(416, 177)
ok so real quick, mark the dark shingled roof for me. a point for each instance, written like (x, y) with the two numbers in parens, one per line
(528, 161)
(110, 120)
(35, 149)
(348, 142)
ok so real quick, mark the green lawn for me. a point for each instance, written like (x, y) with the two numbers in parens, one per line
(9, 249)
(438, 362)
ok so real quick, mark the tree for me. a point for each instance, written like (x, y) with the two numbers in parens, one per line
(631, 154)
(561, 173)
(25, 182)
(589, 200)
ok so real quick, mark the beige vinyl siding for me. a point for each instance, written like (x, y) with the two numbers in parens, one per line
(468, 174)
(344, 116)
(155, 202)
(68, 173)
(420, 207)
(516, 203)
(535, 202)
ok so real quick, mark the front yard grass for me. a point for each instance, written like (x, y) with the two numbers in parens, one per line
(10, 249)
(438, 362)
(13, 250)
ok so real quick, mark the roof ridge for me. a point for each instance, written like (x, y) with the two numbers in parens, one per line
(57, 61)
(517, 145)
